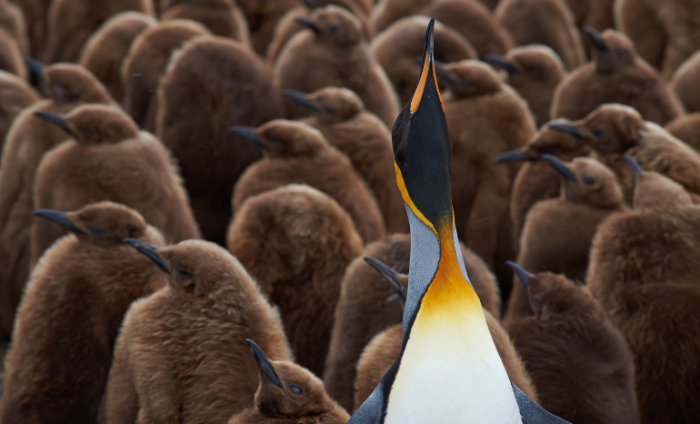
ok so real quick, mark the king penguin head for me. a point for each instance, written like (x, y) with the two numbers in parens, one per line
(422, 153)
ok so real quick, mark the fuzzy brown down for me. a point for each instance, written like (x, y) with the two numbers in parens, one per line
(11, 56)
(539, 72)
(57, 366)
(29, 137)
(548, 22)
(579, 362)
(381, 353)
(16, 95)
(146, 63)
(368, 305)
(211, 84)
(107, 47)
(687, 129)
(338, 56)
(616, 76)
(35, 13)
(12, 20)
(397, 47)
(297, 242)
(474, 22)
(110, 160)
(263, 17)
(181, 353)
(558, 232)
(221, 17)
(71, 22)
(281, 406)
(342, 119)
(299, 154)
(484, 118)
(683, 83)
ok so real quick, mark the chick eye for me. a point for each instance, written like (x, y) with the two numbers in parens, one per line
(598, 133)
(587, 180)
(334, 28)
(182, 273)
(295, 389)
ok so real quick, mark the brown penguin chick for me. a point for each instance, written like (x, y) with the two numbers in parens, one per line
(616, 75)
(288, 394)
(105, 50)
(71, 22)
(70, 315)
(663, 215)
(558, 232)
(296, 242)
(11, 55)
(474, 22)
(221, 17)
(537, 180)
(665, 33)
(342, 119)
(614, 130)
(107, 158)
(683, 83)
(334, 53)
(534, 71)
(181, 355)
(12, 21)
(397, 47)
(381, 353)
(16, 94)
(289, 25)
(296, 153)
(386, 12)
(35, 14)
(661, 321)
(687, 129)
(107, 47)
(145, 64)
(68, 85)
(368, 305)
(211, 84)
(262, 18)
(579, 362)
(548, 22)
(597, 14)
(486, 117)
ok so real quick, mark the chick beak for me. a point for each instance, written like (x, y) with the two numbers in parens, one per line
(60, 218)
(148, 250)
(264, 363)
(389, 273)
(597, 42)
(300, 98)
(568, 129)
(501, 62)
(515, 155)
(559, 166)
(308, 23)
(523, 275)
(54, 119)
(635, 167)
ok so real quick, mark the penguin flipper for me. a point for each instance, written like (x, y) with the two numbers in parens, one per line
(531, 412)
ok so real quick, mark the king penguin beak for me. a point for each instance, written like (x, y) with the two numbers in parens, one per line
(567, 129)
(560, 166)
(264, 363)
(515, 155)
(249, 134)
(58, 217)
(54, 119)
(36, 67)
(309, 24)
(594, 36)
(300, 98)
(502, 62)
(148, 250)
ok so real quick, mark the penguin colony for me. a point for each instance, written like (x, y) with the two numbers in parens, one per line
(349, 211)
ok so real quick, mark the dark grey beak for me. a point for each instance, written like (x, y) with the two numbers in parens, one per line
(560, 166)
(300, 98)
(264, 363)
(594, 36)
(502, 62)
(54, 119)
(523, 275)
(634, 166)
(148, 250)
(388, 273)
(249, 134)
(567, 129)
(309, 24)
(36, 67)
(58, 217)
(515, 155)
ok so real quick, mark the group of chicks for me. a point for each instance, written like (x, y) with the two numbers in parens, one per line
(141, 128)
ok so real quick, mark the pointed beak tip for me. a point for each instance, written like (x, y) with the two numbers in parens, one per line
(560, 166)
(522, 274)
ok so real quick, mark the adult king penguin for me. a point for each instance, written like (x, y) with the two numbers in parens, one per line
(449, 370)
